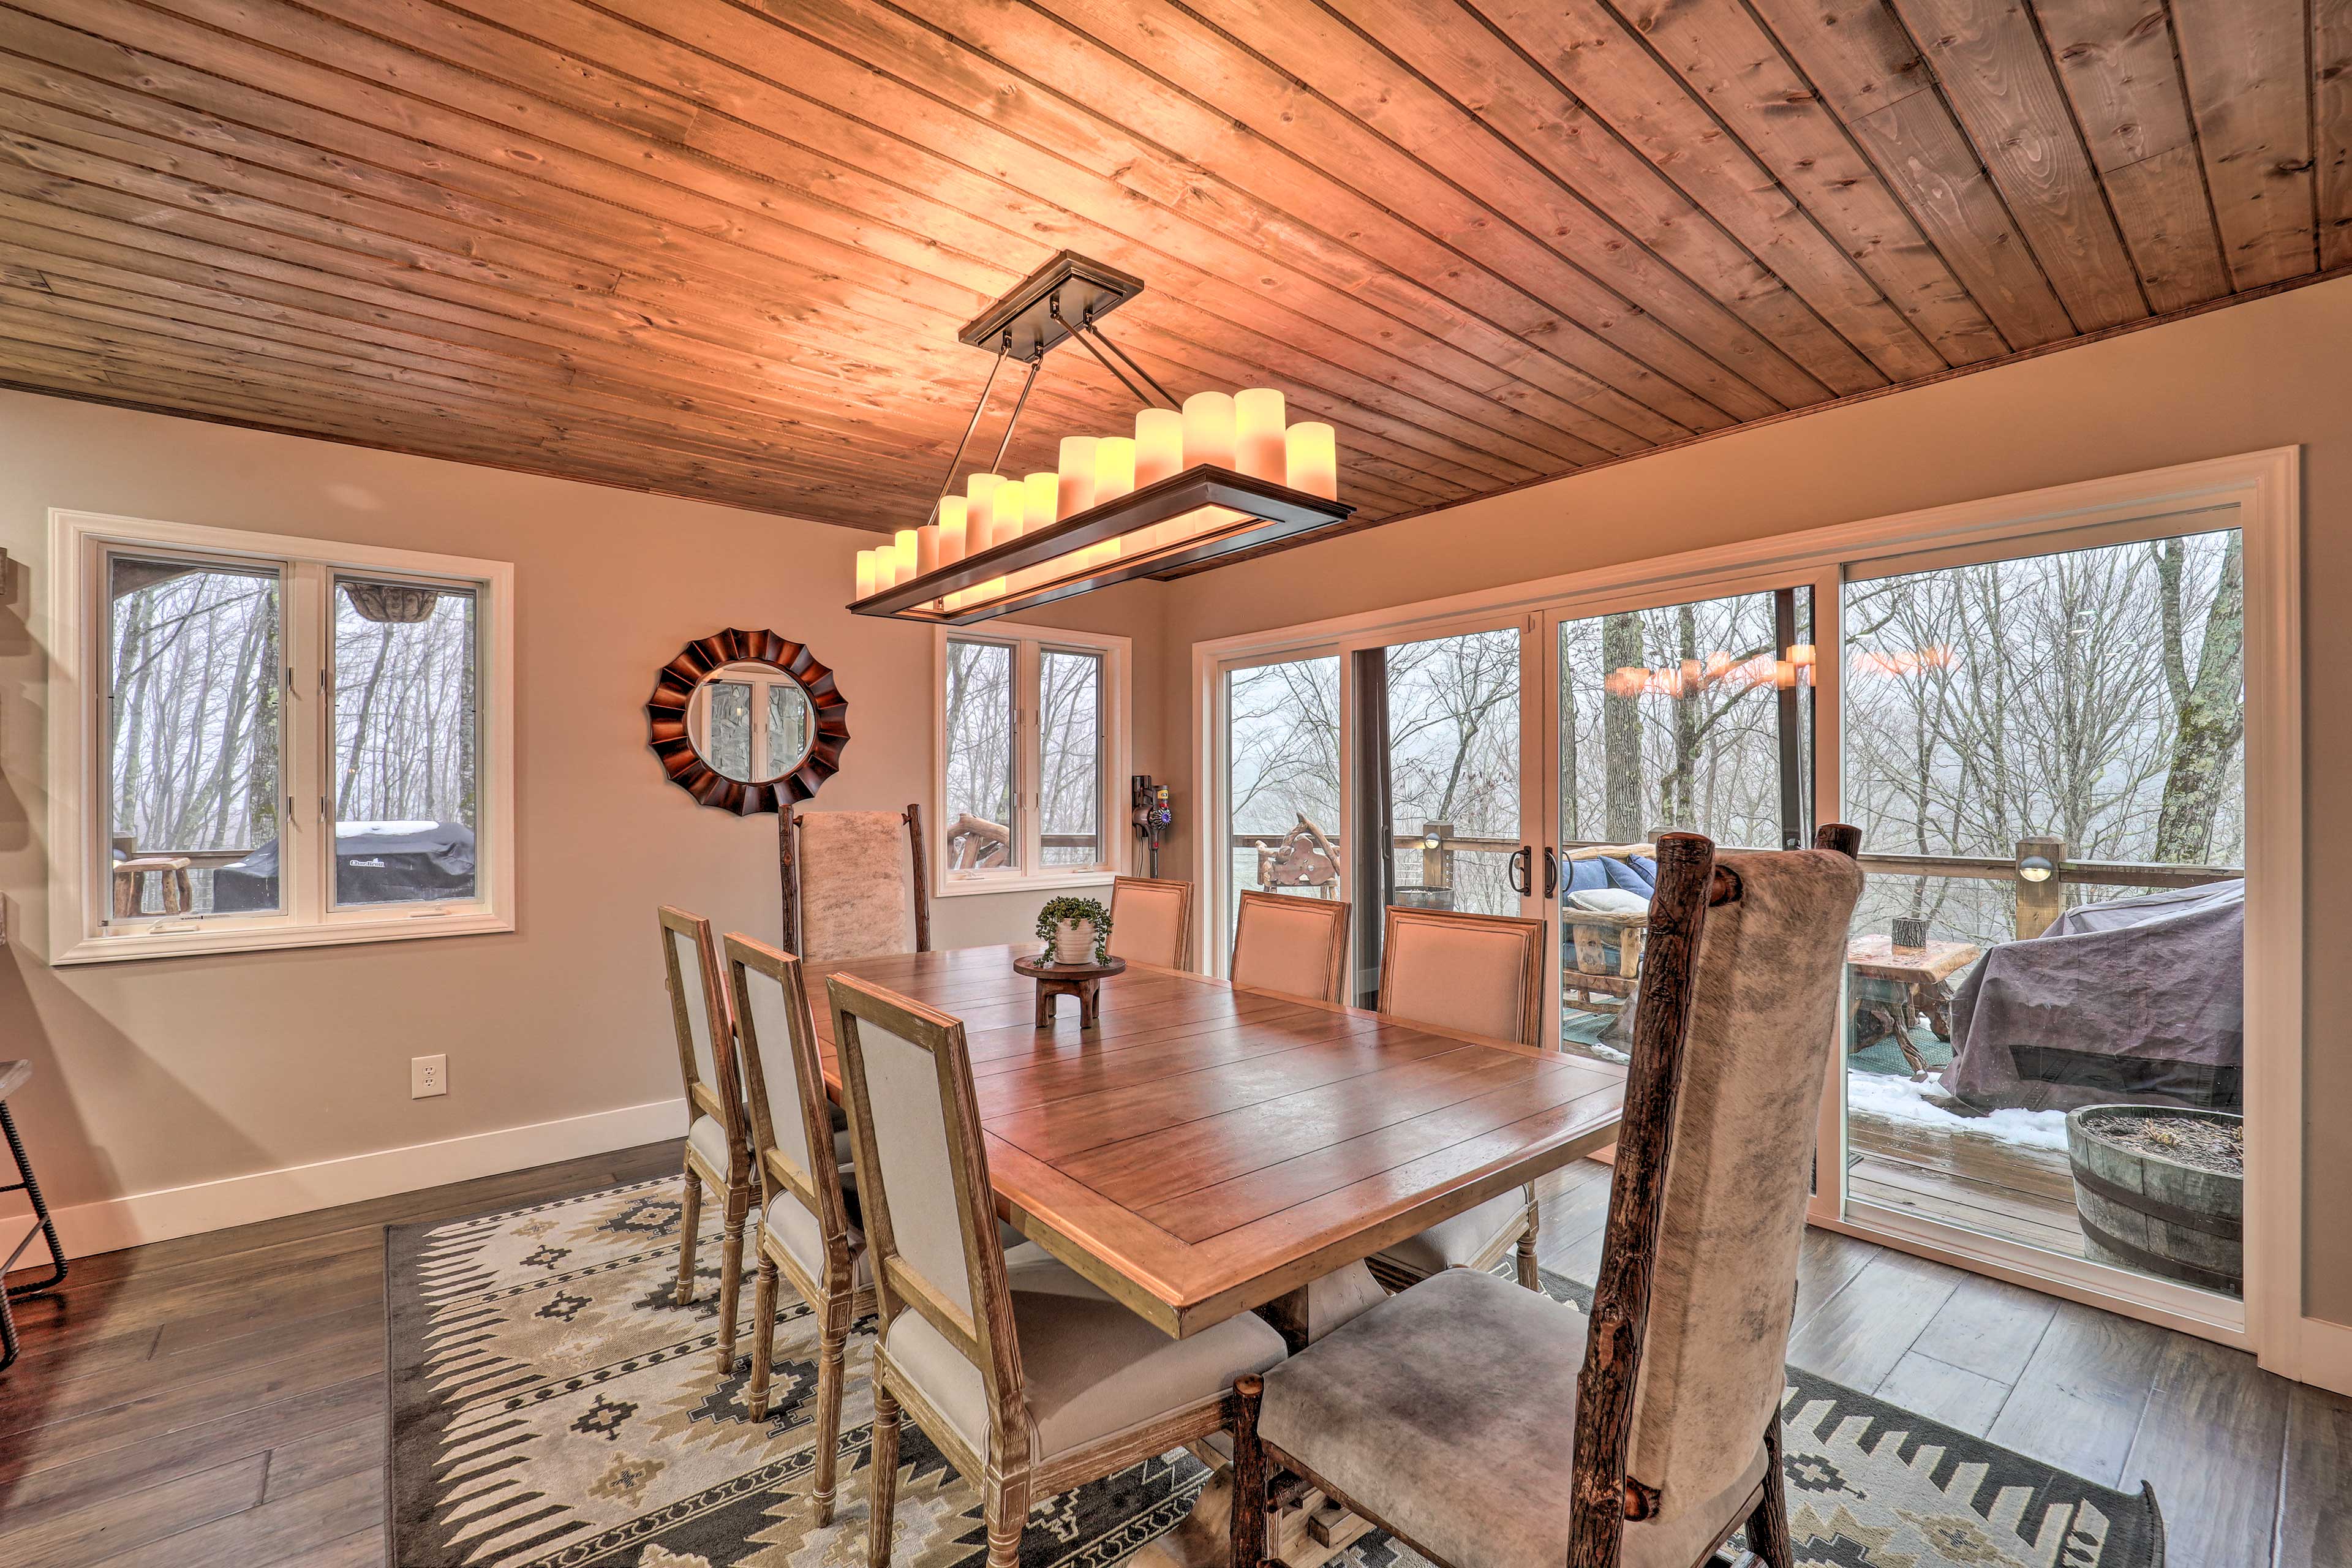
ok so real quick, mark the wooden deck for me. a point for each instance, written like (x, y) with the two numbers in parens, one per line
(2014, 1191)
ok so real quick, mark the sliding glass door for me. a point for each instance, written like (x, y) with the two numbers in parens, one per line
(2045, 750)
(1693, 717)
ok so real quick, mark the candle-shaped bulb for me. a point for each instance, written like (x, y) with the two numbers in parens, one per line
(1078, 474)
(1208, 429)
(1043, 505)
(1114, 468)
(1259, 448)
(954, 515)
(866, 573)
(1158, 445)
(927, 549)
(1005, 503)
(1313, 459)
(979, 497)
(903, 545)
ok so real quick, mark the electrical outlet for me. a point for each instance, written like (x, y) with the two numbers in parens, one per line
(427, 1076)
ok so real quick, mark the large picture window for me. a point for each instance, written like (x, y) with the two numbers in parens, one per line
(1031, 758)
(267, 741)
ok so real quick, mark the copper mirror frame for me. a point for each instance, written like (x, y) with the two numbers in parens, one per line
(665, 721)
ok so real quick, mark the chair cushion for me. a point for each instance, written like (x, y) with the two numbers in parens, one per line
(1609, 901)
(1093, 1367)
(708, 1138)
(1456, 1243)
(1622, 875)
(1585, 874)
(1450, 1411)
(798, 1230)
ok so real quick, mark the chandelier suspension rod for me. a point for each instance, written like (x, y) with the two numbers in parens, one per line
(1003, 348)
(1036, 360)
(1054, 308)
(1088, 328)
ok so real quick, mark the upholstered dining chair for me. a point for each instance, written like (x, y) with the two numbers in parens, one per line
(855, 883)
(809, 1216)
(717, 1150)
(1027, 1377)
(1151, 921)
(1449, 1412)
(1482, 974)
(1295, 945)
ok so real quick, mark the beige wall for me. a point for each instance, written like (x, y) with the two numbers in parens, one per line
(2268, 373)
(158, 1073)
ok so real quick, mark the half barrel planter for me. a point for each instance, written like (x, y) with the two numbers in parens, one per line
(2140, 1210)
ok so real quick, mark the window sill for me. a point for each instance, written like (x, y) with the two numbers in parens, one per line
(264, 939)
(1022, 882)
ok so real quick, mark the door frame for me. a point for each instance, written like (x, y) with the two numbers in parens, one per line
(2265, 487)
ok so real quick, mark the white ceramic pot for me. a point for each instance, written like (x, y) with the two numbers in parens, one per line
(1074, 942)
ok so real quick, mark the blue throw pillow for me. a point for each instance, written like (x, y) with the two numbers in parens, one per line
(1646, 868)
(1622, 875)
(1586, 875)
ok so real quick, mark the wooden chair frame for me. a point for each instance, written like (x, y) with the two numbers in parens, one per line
(1336, 910)
(724, 1102)
(1524, 1230)
(1183, 914)
(836, 1297)
(1602, 1497)
(788, 860)
(1009, 1475)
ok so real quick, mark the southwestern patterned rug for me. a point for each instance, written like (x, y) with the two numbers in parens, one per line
(550, 1406)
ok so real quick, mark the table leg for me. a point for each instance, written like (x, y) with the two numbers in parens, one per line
(1045, 1003)
(1304, 1528)
(1089, 1003)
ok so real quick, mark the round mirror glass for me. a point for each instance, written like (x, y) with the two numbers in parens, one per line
(749, 722)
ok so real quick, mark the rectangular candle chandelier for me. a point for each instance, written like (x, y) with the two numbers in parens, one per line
(1222, 473)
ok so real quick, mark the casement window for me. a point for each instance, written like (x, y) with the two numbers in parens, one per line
(260, 741)
(1033, 759)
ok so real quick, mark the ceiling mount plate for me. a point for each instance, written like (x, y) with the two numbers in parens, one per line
(1087, 288)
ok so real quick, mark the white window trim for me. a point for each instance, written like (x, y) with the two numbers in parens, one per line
(2265, 489)
(79, 889)
(1030, 643)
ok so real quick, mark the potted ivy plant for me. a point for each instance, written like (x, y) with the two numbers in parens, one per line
(1078, 929)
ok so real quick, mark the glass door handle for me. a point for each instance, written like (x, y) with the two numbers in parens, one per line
(1551, 872)
(1522, 869)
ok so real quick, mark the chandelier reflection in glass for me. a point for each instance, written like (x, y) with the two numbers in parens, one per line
(1218, 474)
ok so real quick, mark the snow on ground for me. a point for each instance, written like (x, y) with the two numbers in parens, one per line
(1894, 1098)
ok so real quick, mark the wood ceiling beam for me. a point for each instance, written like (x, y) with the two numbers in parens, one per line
(1864, 66)
(2331, 116)
(2247, 66)
(2117, 61)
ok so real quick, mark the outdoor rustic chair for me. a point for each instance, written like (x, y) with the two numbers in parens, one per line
(1448, 1413)
(1482, 974)
(855, 885)
(717, 1151)
(1295, 945)
(1151, 921)
(809, 1216)
(1028, 1377)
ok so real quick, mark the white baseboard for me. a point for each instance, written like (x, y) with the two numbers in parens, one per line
(114, 1223)
(2324, 1355)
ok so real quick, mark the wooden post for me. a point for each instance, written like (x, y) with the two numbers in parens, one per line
(2038, 904)
(1436, 863)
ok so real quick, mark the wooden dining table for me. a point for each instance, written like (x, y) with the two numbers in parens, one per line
(1208, 1148)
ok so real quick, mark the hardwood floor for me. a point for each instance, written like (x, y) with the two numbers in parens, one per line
(220, 1400)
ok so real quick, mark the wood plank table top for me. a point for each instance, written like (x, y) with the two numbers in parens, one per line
(1876, 954)
(1208, 1148)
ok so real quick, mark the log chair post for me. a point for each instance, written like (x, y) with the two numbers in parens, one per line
(1249, 1476)
(1602, 1496)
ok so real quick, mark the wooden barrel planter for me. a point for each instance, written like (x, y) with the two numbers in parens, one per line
(2141, 1209)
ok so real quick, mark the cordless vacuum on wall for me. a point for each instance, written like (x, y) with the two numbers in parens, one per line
(1152, 816)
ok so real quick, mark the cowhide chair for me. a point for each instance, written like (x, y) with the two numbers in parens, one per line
(1482, 974)
(1026, 1375)
(1294, 945)
(718, 1147)
(1151, 921)
(855, 883)
(1485, 1424)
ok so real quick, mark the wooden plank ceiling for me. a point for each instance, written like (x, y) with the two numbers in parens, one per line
(721, 250)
